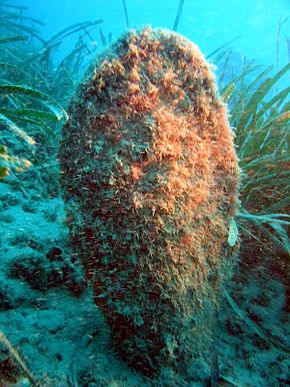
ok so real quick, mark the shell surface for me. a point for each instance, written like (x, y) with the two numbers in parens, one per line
(150, 174)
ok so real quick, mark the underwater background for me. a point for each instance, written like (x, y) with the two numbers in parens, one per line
(52, 330)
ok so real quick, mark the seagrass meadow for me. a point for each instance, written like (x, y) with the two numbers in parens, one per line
(144, 185)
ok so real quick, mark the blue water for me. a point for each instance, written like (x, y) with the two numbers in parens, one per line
(209, 23)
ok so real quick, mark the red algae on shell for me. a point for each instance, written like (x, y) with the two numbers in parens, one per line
(150, 175)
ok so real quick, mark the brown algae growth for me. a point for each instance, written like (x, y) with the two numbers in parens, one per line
(150, 177)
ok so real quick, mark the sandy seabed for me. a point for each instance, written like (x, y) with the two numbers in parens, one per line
(48, 314)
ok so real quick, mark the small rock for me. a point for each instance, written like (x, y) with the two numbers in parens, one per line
(54, 254)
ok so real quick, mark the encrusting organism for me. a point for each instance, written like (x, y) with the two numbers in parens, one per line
(150, 176)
